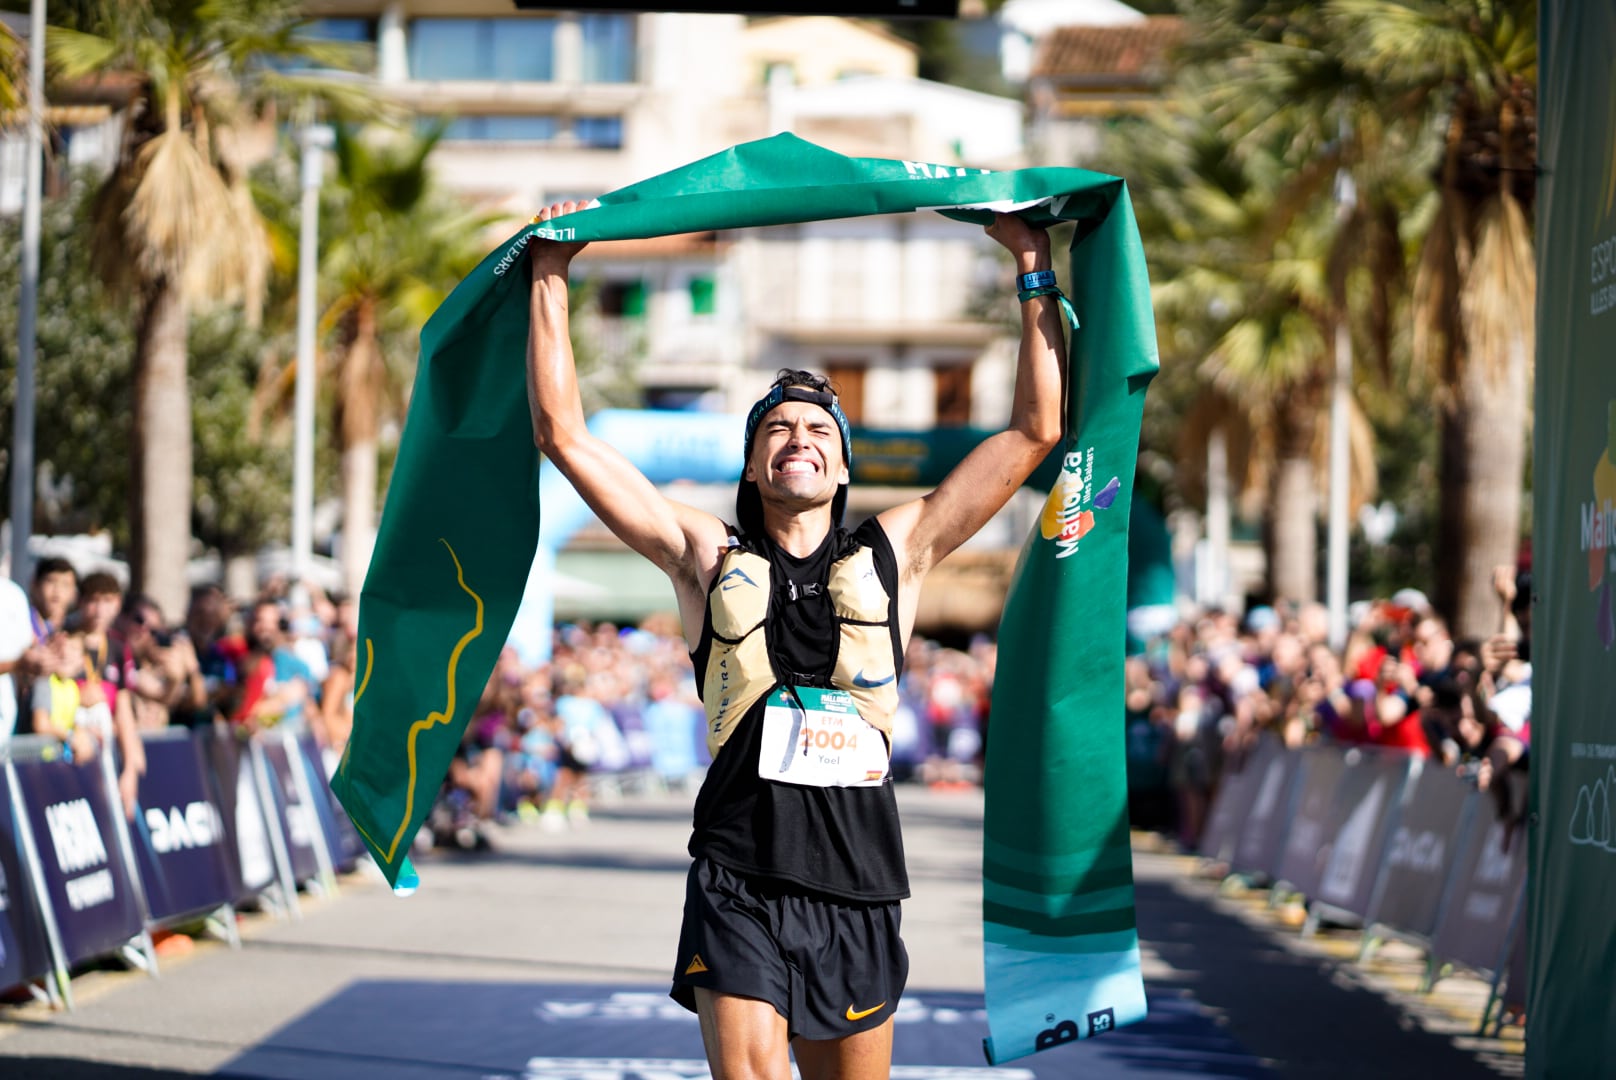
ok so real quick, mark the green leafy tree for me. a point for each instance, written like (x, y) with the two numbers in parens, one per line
(84, 384)
(392, 246)
(1467, 69)
(175, 226)
(1454, 79)
(1249, 291)
(241, 469)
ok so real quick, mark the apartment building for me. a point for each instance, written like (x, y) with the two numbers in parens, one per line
(551, 105)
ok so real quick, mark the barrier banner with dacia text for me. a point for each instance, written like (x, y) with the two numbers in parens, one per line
(178, 832)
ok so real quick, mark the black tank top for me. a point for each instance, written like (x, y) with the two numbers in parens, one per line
(842, 842)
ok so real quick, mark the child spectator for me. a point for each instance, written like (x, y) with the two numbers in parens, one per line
(58, 710)
(108, 674)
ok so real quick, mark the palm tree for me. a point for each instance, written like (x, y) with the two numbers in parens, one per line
(174, 224)
(1249, 289)
(1468, 67)
(397, 246)
(1457, 76)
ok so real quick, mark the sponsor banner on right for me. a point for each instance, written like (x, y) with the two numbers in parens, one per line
(1367, 802)
(1421, 851)
(298, 818)
(1484, 897)
(1237, 793)
(341, 837)
(1306, 850)
(1571, 1014)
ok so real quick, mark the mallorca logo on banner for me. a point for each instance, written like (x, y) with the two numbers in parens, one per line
(1597, 532)
(1069, 511)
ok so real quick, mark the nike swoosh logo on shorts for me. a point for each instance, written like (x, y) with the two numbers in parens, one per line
(862, 1013)
(864, 682)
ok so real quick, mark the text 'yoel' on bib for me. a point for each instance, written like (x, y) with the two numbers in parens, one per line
(817, 738)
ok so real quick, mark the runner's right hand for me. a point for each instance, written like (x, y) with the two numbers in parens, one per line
(556, 254)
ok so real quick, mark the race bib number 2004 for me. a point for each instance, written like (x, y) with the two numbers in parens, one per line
(816, 737)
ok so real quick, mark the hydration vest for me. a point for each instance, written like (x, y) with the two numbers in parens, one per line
(740, 669)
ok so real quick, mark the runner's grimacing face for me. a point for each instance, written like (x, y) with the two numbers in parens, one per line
(797, 454)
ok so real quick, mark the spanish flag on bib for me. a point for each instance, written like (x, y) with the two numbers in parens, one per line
(460, 528)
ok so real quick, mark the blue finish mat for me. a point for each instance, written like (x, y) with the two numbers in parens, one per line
(412, 1030)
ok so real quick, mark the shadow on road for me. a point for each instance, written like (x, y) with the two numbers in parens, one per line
(1295, 1011)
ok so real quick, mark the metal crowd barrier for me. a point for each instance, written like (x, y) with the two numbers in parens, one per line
(1386, 841)
(219, 822)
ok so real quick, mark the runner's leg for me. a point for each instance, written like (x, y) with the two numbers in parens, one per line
(864, 1056)
(745, 1037)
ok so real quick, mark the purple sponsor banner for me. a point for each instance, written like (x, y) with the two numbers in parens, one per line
(249, 855)
(1513, 998)
(1421, 852)
(298, 819)
(1265, 824)
(1488, 881)
(1302, 857)
(85, 875)
(1367, 800)
(179, 835)
(24, 955)
(1237, 792)
(341, 838)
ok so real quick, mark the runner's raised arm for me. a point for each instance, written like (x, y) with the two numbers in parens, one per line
(925, 530)
(683, 542)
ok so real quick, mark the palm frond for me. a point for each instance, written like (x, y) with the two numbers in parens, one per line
(1496, 301)
(76, 54)
(182, 222)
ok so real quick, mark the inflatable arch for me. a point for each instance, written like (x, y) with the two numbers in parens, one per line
(704, 448)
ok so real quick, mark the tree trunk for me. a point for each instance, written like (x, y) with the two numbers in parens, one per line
(360, 388)
(1293, 556)
(160, 473)
(358, 513)
(1483, 466)
(1484, 426)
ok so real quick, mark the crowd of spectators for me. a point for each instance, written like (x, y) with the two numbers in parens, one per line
(615, 707)
(1200, 696)
(612, 708)
(87, 665)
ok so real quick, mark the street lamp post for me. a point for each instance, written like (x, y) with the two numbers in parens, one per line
(1346, 195)
(22, 428)
(313, 140)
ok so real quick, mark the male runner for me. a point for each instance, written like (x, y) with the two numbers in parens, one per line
(797, 628)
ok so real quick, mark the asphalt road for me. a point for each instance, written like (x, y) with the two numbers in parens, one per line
(549, 957)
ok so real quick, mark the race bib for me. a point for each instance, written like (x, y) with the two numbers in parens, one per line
(817, 738)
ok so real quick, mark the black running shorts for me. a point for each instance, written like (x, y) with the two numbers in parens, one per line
(831, 968)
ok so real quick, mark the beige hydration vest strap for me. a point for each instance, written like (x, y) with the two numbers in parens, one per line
(739, 671)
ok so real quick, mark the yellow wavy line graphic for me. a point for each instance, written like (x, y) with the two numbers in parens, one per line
(434, 718)
(370, 664)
